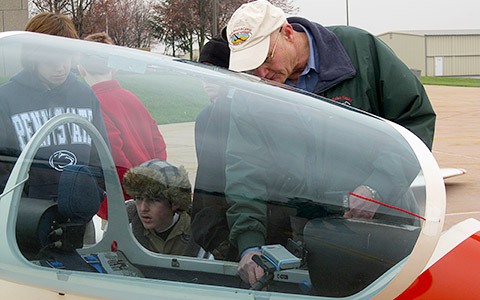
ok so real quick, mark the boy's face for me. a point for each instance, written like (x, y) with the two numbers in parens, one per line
(54, 72)
(156, 214)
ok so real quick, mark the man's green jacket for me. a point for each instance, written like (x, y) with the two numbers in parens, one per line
(362, 71)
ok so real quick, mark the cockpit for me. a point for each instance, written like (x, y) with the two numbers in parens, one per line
(341, 203)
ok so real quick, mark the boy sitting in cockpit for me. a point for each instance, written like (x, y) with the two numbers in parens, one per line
(158, 216)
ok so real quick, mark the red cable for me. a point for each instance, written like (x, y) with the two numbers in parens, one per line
(381, 203)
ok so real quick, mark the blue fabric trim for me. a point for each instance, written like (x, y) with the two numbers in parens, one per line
(250, 250)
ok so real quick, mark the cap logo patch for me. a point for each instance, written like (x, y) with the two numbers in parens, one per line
(240, 37)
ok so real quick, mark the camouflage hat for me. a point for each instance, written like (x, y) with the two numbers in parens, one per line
(156, 178)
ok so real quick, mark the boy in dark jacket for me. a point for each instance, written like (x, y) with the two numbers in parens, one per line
(43, 89)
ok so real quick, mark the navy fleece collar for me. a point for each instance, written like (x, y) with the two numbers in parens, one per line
(334, 64)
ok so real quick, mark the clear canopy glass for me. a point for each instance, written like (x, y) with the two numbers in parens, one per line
(341, 190)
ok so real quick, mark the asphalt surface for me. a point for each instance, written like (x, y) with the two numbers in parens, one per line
(456, 145)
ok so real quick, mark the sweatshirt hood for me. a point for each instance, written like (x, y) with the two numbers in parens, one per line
(32, 81)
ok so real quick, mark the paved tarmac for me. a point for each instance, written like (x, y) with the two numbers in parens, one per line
(456, 145)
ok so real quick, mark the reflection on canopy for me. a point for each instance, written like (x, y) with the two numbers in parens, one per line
(268, 166)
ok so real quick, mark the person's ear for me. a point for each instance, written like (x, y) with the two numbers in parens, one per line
(288, 31)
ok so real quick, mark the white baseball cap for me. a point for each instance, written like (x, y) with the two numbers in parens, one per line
(248, 33)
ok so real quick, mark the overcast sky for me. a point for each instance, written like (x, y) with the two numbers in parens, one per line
(379, 16)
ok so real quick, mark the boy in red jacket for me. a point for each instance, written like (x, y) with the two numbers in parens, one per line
(133, 133)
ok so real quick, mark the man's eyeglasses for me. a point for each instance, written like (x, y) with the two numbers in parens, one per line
(270, 57)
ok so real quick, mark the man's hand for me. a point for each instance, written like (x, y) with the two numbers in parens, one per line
(248, 270)
(361, 208)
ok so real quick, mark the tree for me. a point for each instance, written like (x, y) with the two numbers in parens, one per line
(172, 24)
(141, 29)
(77, 9)
(126, 21)
(135, 23)
(99, 16)
(226, 8)
(55, 6)
(180, 23)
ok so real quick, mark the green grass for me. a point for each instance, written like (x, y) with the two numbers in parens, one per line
(450, 81)
(169, 99)
(176, 99)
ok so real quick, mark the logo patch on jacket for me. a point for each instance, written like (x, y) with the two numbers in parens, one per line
(343, 99)
(61, 159)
